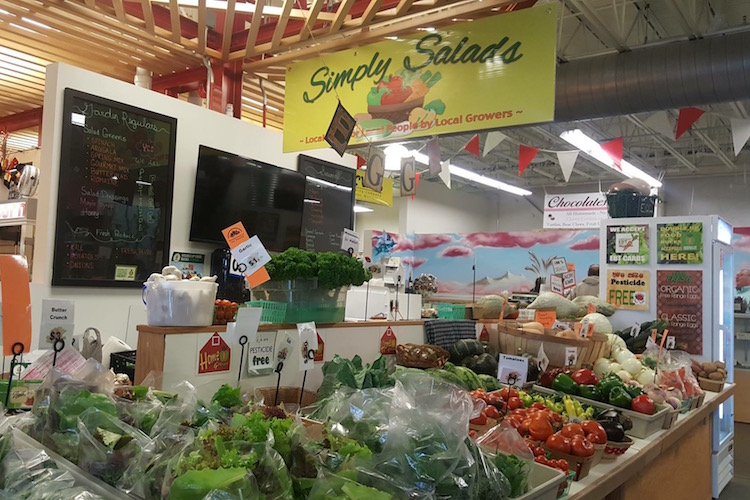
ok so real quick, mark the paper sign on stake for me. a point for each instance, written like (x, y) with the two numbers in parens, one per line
(388, 342)
(571, 355)
(308, 343)
(261, 355)
(16, 302)
(526, 314)
(249, 256)
(58, 322)
(546, 317)
(542, 358)
(671, 341)
(350, 242)
(559, 265)
(320, 351)
(512, 370)
(248, 320)
(635, 329)
(556, 284)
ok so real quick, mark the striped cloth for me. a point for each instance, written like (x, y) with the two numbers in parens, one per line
(444, 333)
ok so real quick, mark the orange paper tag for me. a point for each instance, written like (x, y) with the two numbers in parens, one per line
(485, 335)
(16, 298)
(388, 342)
(235, 234)
(653, 335)
(546, 317)
(320, 351)
(592, 308)
(258, 277)
(663, 340)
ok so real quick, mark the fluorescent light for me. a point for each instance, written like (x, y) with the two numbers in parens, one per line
(359, 209)
(328, 184)
(395, 152)
(258, 103)
(314, 202)
(594, 150)
(244, 8)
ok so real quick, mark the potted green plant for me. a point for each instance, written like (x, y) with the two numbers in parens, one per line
(312, 284)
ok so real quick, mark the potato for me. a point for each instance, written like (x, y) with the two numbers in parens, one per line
(716, 376)
(720, 364)
(709, 367)
(722, 371)
(703, 374)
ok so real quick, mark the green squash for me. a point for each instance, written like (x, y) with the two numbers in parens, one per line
(464, 348)
(485, 364)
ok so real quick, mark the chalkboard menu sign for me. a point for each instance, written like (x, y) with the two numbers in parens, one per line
(329, 203)
(114, 203)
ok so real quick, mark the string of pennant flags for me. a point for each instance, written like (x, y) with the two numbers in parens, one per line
(659, 122)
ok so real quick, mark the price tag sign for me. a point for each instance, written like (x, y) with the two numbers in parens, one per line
(547, 317)
(556, 284)
(248, 320)
(261, 355)
(585, 328)
(542, 358)
(569, 280)
(350, 242)
(560, 326)
(635, 329)
(526, 314)
(559, 265)
(308, 344)
(592, 308)
(512, 370)
(571, 355)
(671, 340)
(320, 351)
(249, 253)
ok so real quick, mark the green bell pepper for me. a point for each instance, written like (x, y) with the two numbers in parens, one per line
(590, 392)
(634, 391)
(564, 383)
(527, 400)
(618, 396)
(608, 383)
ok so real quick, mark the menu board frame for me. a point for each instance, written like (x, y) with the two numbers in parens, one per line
(330, 173)
(67, 172)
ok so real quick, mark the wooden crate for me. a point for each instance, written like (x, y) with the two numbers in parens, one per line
(512, 341)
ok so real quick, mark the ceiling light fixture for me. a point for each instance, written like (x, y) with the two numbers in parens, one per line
(359, 209)
(395, 152)
(594, 150)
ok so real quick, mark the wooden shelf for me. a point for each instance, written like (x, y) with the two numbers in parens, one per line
(269, 327)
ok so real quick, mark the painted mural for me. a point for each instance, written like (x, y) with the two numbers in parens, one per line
(505, 262)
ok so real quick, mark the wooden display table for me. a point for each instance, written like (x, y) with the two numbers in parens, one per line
(173, 351)
(674, 463)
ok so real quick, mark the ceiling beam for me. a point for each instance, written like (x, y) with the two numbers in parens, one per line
(22, 120)
(281, 23)
(312, 17)
(688, 25)
(659, 139)
(226, 34)
(148, 15)
(599, 26)
(341, 13)
(376, 32)
(252, 34)
(202, 19)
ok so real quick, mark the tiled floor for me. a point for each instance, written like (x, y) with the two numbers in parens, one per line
(739, 487)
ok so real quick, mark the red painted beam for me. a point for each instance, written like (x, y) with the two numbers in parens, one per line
(22, 120)
(184, 81)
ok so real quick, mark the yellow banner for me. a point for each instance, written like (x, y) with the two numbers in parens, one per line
(489, 73)
(385, 197)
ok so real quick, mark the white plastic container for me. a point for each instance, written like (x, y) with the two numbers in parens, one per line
(179, 303)
(543, 483)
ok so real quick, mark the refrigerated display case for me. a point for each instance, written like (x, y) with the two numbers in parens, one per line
(708, 334)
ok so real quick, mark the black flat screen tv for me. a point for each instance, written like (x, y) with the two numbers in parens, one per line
(267, 199)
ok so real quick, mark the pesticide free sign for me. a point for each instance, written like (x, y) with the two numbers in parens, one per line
(261, 354)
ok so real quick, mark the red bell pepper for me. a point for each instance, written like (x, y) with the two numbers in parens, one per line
(585, 376)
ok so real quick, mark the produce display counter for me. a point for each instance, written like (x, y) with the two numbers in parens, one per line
(742, 399)
(658, 463)
(175, 352)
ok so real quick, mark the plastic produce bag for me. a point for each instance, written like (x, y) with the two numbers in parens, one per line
(208, 483)
(362, 415)
(510, 454)
(107, 445)
(685, 372)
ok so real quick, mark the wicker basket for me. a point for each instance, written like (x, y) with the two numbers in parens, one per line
(513, 341)
(395, 113)
(421, 355)
(708, 384)
(288, 397)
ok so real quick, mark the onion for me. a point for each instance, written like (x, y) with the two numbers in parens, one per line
(674, 393)
(623, 355)
(657, 395)
(674, 402)
(624, 376)
(632, 365)
(615, 367)
(602, 367)
(646, 377)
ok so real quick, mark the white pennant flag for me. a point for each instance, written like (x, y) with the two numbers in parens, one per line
(445, 174)
(492, 141)
(661, 123)
(567, 159)
(740, 134)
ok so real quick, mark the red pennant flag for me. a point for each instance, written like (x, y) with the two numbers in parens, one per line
(525, 155)
(416, 184)
(361, 162)
(687, 117)
(614, 149)
(473, 146)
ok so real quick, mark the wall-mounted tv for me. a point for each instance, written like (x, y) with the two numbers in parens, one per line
(229, 188)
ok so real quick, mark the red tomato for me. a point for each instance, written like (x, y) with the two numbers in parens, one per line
(480, 420)
(515, 403)
(594, 432)
(538, 406)
(570, 430)
(643, 404)
(558, 442)
(504, 393)
(539, 452)
(581, 447)
(493, 413)
(472, 433)
(540, 428)
(516, 423)
(556, 417)
(525, 426)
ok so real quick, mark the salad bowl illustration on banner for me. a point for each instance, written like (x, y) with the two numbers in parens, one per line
(396, 106)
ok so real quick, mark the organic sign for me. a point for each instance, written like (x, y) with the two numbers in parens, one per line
(627, 245)
(261, 356)
(628, 289)
(679, 299)
(488, 73)
(680, 243)
(214, 356)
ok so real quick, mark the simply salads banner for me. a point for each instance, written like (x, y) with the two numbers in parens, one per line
(489, 73)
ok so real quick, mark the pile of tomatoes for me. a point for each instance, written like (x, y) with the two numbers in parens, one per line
(541, 458)
(224, 311)
(577, 439)
(536, 422)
